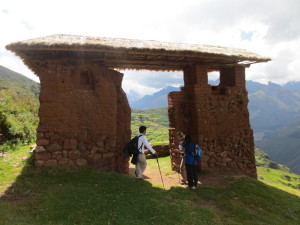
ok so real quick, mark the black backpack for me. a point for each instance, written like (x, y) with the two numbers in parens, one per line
(132, 147)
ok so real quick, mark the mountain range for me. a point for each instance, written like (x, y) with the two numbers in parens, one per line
(154, 101)
(272, 106)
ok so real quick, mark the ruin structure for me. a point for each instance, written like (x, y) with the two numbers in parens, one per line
(85, 115)
(216, 117)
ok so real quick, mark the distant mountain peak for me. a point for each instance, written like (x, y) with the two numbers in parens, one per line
(157, 100)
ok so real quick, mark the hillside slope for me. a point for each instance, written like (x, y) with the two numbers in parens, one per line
(275, 174)
(18, 108)
(86, 196)
(283, 145)
(157, 122)
(18, 82)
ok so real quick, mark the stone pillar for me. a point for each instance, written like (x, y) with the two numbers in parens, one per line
(179, 117)
(83, 110)
(183, 115)
(234, 77)
(196, 76)
(218, 121)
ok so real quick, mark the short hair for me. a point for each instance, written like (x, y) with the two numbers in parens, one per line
(142, 129)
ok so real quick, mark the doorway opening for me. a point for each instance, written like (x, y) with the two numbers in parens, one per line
(147, 93)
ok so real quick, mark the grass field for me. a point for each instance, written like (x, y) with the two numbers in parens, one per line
(86, 196)
(157, 122)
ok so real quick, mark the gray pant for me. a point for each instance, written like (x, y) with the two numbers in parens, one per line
(140, 165)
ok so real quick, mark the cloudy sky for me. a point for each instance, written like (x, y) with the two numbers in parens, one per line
(267, 27)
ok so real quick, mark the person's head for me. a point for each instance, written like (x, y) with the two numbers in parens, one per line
(188, 138)
(180, 135)
(142, 129)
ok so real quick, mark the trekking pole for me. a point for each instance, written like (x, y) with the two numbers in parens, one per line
(160, 173)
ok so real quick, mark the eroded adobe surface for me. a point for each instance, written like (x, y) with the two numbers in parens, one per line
(84, 116)
(217, 118)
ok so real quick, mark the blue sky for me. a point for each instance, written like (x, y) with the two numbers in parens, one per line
(267, 27)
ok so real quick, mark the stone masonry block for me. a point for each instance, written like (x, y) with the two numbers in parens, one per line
(54, 147)
(42, 156)
(81, 162)
(74, 154)
(42, 141)
(39, 149)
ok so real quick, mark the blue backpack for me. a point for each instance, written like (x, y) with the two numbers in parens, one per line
(197, 152)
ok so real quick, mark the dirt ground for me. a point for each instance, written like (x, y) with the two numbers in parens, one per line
(205, 180)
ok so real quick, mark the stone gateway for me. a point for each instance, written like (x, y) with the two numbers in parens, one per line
(85, 116)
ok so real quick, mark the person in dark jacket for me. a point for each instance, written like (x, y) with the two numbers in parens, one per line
(191, 163)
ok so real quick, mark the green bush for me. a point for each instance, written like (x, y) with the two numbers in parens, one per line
(18, 118)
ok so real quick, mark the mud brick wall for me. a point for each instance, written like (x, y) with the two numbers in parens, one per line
(83, 111)
(217, 118)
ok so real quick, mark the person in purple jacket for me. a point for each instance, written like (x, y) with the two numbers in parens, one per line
(191, 163)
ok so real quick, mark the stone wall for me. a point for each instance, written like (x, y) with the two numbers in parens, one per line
(162, 150)
(217, 118)
(85, 118)
(83, 111)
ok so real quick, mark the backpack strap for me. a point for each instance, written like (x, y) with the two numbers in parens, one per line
(141, 144)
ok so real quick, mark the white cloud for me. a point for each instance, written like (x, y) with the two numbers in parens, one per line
(139, 89)
(147, 82)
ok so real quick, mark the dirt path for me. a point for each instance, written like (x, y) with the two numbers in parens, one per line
(205, 180)
(153, 176)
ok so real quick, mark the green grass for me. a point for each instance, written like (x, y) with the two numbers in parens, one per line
(275, 174)
(12, 165)
(263, 160)
(164, 163)
(87, 196)
(286, 181)
(156, 121)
